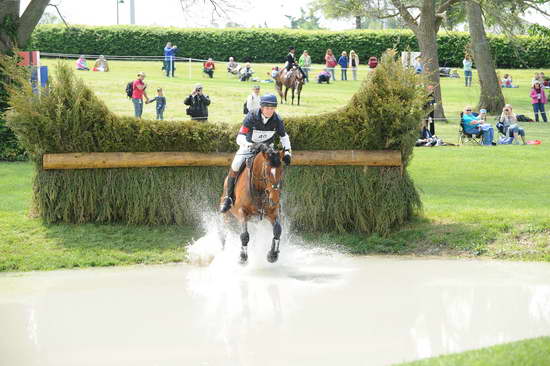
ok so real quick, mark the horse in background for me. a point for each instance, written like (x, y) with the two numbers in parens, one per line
(294, 81)
(258, 193)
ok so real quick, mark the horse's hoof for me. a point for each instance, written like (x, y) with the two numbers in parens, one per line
(272, 256)
(244, 258)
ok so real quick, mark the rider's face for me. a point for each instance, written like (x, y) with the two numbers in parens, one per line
(268, 111)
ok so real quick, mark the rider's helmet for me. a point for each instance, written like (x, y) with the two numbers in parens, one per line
(291, 48)
(268, 100)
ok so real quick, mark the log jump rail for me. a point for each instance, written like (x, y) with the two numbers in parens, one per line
(99, 160)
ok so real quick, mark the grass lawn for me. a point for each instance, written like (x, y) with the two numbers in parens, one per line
(532, 352)
(478, 201)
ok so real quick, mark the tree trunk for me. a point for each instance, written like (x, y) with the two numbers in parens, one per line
(9, 16)
(491, 97)
(29, 20)
(426, 34)
(357, 22)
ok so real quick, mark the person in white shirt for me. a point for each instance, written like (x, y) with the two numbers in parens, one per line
(253, 100)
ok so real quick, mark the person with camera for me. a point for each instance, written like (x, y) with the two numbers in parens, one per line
(198, 103)
(510, 125)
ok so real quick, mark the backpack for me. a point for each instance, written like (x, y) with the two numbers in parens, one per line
(523, 118)
(130, 89)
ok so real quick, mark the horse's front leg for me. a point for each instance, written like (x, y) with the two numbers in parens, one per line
(273, 253)
(292, 96)
(245, 238)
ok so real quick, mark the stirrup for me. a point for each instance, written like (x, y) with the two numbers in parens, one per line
(226, 205)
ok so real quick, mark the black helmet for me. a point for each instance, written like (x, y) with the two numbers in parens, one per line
(268, 100)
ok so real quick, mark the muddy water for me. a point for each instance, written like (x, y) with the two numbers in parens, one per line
(312, 308)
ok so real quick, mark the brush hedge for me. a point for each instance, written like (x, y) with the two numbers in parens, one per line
(271, 45)
(383, 114)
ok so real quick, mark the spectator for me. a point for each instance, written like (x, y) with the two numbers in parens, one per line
(506, 82)
(353, 63)
(545, 83)
(418, 66)
(138, 92)
(232, 66)
(467, 63)
(209, 68)
(101, 64)
(343, 62)
(538, 99)
(535, 79)
(330, 63)
(510, 125)
(275, 71)
(170, 59)
(373, 62)
(305, 63)
(430, 106)
(198, 103)
(246, 72)
(161, 103)
(253, 100)
(473, 125)
(426, 137)
(324, 76)
(81, 64)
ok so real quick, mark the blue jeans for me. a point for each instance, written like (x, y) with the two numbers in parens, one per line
(487, 132)
(160, 114)
(344, 75)
(138, 107)
(468, 77)
(169, 67)
(539, 107)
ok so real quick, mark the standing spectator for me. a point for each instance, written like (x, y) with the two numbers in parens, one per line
(353, 63)
(544, 81)
(198, 103)
(430, 106)
(170, 59)
(418, 66)
(253, 100)
(538, 99)
(101, 64)
(138, 92)
(330, 63)
(246, 72)
(305, 64)
(161, 103)
(343, 62)
(209, 67)
(373, 62)
(467, 63)
(535, 79)
(81, 64)
(232, 66)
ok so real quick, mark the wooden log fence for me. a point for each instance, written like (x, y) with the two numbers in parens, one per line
(98, 160)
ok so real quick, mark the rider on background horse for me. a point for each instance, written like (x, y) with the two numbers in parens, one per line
(291, 62)
(259, 126)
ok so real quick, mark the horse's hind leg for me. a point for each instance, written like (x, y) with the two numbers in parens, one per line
(245, 238)
(273, 253)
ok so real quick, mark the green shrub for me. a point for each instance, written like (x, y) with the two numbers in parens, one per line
(383, 114)
(271, 45)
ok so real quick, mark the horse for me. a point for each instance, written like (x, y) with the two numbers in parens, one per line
(294, 81)
(258, 193)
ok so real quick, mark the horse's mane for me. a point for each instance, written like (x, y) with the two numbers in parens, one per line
(273, 157)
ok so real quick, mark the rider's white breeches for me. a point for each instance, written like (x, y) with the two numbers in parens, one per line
(239, 158)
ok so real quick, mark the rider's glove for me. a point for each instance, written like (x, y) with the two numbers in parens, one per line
(287, 157)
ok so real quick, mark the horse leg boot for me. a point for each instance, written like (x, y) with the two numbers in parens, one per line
(228, 199)
(273, 254)
(245, 237)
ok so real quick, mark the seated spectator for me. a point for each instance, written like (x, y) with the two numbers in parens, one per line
(81, 64)
(246, 72)
(101, 64)
(274, 72)
(232, 66)
(373, 62)
(426, 137)
(510, 126)
(473, 125)
(506, 81)
(198, 103)
(324, 76)
(209, 68)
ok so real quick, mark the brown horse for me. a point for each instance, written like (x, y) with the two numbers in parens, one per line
(257, 193)
(294, 81)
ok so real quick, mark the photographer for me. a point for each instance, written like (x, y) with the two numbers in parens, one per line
(510, 126)
(198, 103)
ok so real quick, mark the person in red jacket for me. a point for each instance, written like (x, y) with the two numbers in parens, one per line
(209, 68)
(373, 62)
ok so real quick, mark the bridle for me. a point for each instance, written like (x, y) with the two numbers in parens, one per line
(264, 197)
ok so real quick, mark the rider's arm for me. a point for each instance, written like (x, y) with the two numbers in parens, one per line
(244, 138)
(285, 140)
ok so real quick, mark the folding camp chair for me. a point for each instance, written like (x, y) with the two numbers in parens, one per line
(468, 138)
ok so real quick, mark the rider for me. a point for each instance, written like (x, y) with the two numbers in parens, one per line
(291, 62)
(259, 126)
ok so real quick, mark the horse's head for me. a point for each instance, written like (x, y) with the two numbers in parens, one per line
(273, 174)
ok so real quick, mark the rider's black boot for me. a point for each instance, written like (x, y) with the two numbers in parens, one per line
(228, 200)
